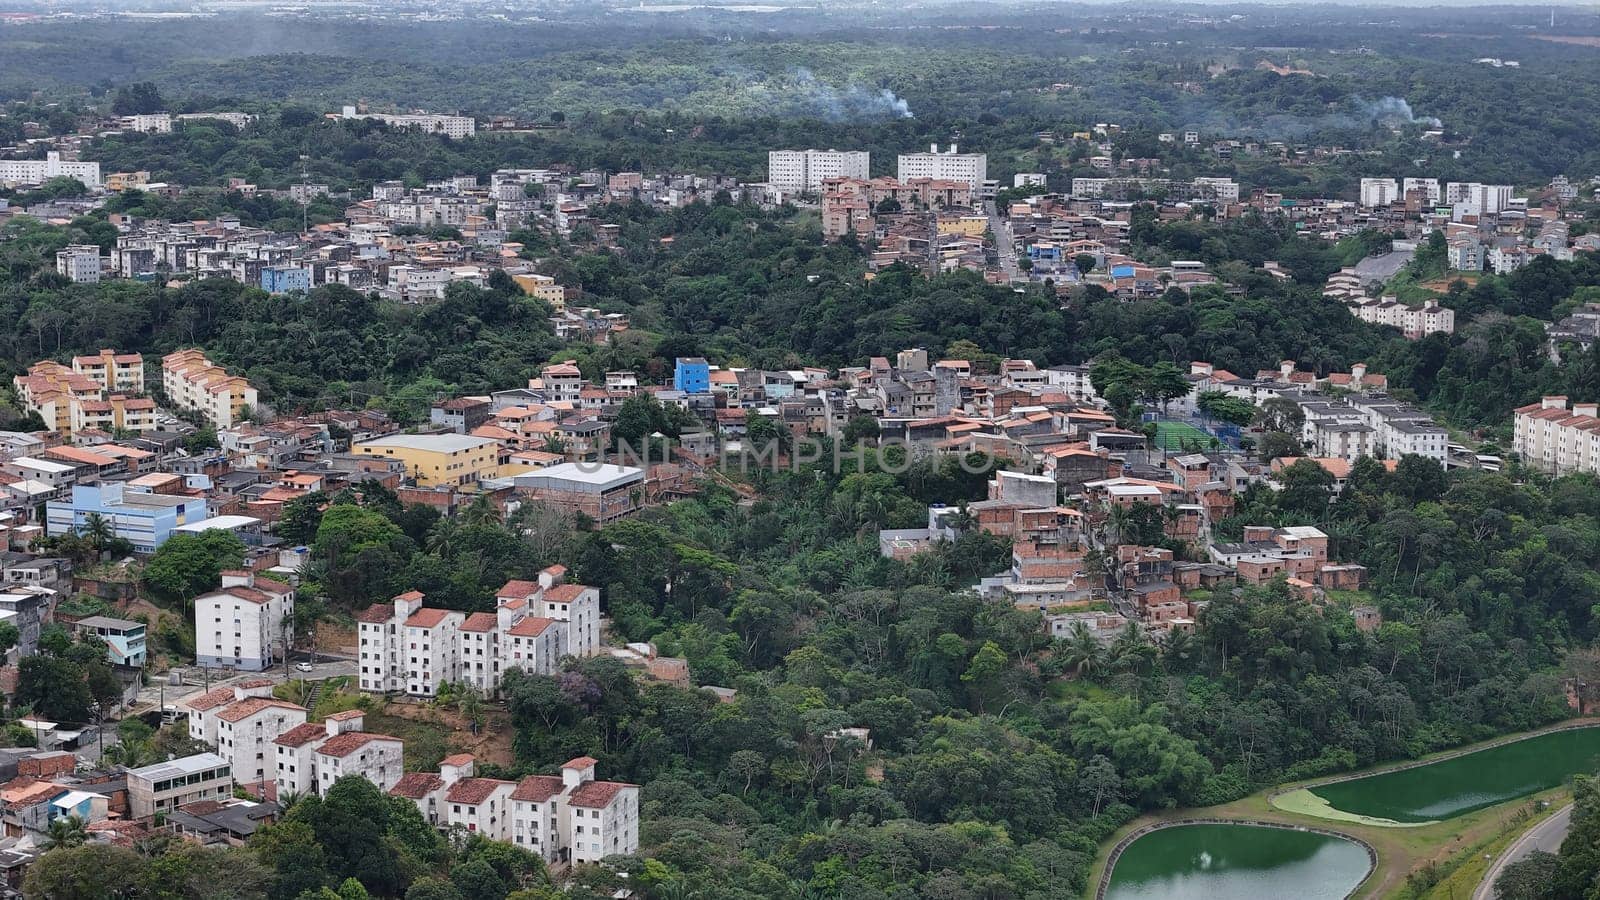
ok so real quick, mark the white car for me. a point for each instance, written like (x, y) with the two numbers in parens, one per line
(302, 667)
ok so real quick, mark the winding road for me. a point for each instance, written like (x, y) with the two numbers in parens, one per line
(1546, 836)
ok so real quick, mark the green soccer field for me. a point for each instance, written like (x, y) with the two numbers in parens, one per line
(1171, 435)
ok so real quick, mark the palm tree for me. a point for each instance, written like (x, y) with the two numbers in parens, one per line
(481, 511)
(1130, 652)
(1082, 652)
(97, 530)
(442, 537)
(1176, 648)
(66, 831)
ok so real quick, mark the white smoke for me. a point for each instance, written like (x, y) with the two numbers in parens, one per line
(1391, 109)
(854, 102)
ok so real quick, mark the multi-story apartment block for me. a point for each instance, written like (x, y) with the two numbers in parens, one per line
(166, 786)
(80, 263)
(115, 372)
(193, 382)
(144, 520)
(1414, 321)
(405, 646)
(38, 171)
(566, 819)
(312, 756)
(454, 127)
(245, 624)
(972, 168)
(804, 170)
(1427, 187)
(1555, 437)
(432, 651)
(246, 730)
(1379, 192)
(148, 123)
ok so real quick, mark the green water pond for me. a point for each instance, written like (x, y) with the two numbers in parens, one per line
(1469, 782)
(1237, 862)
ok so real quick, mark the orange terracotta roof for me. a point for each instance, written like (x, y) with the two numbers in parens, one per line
(564, 593)
(537, 788)
(518, 589)
(597, 794)
(427, 617)
(480, 621)
(532, 626)
(343, 745)
(416, 785)
(248, 707)
(473, 791)
(301, 734)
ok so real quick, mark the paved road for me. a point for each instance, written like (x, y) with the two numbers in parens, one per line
(1004, 242)
(1546, 836)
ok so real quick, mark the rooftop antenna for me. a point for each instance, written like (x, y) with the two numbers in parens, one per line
(305, 196)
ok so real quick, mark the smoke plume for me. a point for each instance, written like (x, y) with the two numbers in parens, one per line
(854, 102)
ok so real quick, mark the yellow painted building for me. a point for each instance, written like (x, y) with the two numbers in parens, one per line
(971, 226)
(544, 287)
(433, 460)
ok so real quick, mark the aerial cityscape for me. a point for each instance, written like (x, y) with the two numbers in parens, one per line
(1028, 450)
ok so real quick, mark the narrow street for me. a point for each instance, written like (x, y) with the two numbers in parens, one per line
(1004, 242)
(1546, 836)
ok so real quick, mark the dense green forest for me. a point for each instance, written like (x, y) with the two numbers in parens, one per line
(715, 91)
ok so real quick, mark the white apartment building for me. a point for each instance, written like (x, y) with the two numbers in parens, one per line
(80, 263)
(1428, 186)
(203, 709)
(455, 127)
(312, 756)
(166, 786)
(245, 624)
(432, 651)
(38, 171)
(1399, 430)
(407, 647)
(1415, 321)
(480, 806)
(973, 168)
(1474, 198)
(604, 818)
(193, 382)
(566, 819)
(1552, 437)
(246, 730)
(1379, 192)
(148, 123)
(803, 171)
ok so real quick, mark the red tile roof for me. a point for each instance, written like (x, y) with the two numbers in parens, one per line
(537, 788)
(376, 614)
(346, 716)
(427, 617)
(480, 621)
(564, 593)
(473, 791)
(582, 762)
(250, 595)
(458, 759)
(248, 707)
(597, 794)
(211, 699)
(532, 626)
(416, 785)
(518, 589)
(300, 735)
(343, 745)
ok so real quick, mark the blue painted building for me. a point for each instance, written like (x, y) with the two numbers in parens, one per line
(283, 279)
(692, 375)
(145, 520)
